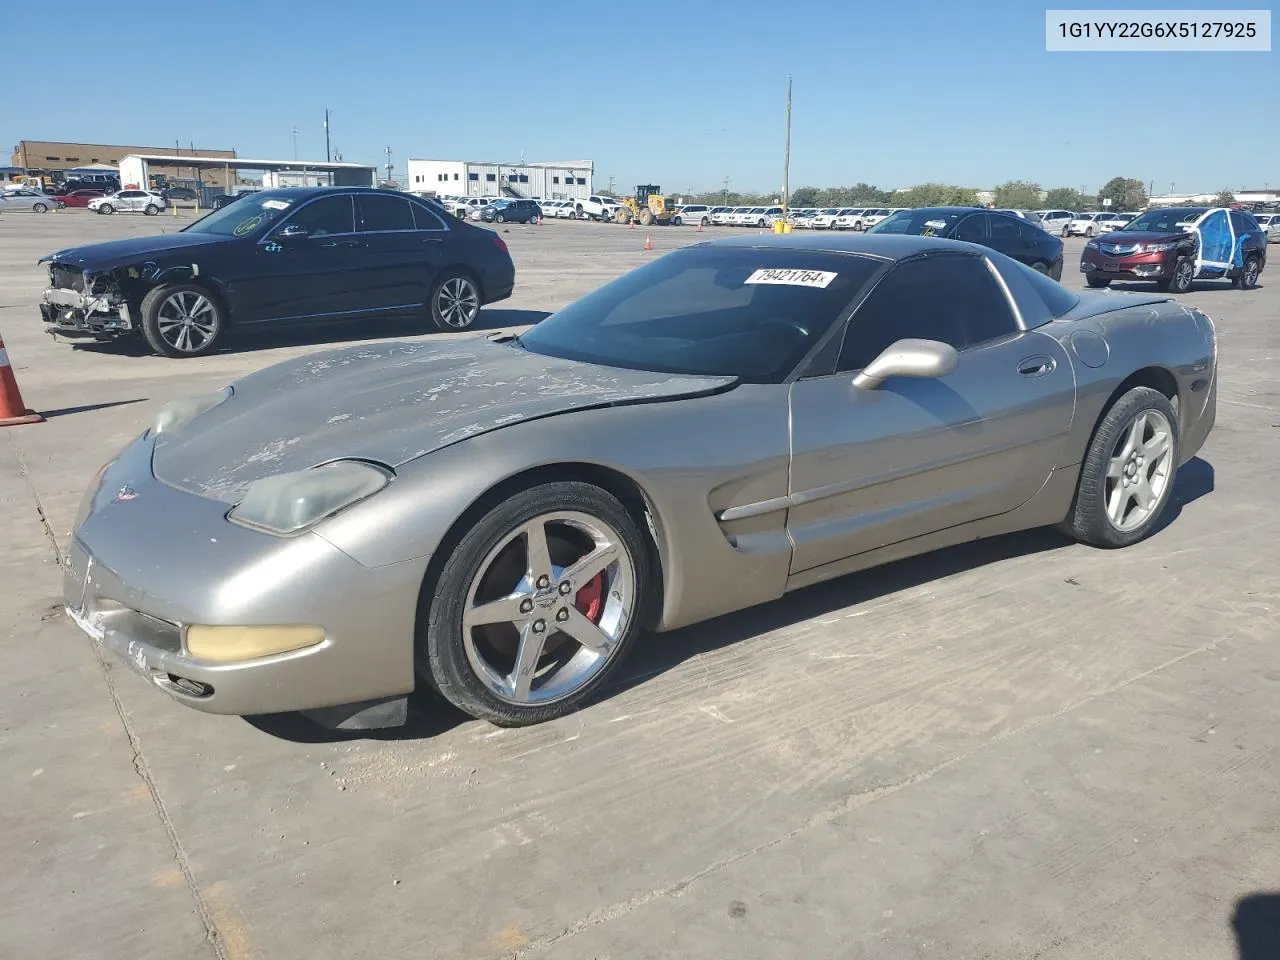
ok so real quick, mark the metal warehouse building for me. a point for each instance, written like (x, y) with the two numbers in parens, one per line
(562, 180)
(58, 155)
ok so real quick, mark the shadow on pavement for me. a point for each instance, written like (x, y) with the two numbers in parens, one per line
(1256, 923)
(326, 332)
(86, 408)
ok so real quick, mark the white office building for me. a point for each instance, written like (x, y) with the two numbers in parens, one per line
(562, 180)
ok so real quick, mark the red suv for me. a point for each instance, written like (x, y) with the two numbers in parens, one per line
(1174, 246)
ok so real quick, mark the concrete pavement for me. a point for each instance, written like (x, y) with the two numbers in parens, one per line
(1018, 748)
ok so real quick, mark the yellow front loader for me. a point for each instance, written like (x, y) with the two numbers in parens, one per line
(647, 207)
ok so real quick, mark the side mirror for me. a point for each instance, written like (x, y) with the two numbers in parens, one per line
(921, 359)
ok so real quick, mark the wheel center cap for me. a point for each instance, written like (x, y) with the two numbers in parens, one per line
(546, 599)
(1131, 468)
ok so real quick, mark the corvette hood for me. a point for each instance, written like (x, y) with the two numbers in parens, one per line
(119, 253)
(390, 403)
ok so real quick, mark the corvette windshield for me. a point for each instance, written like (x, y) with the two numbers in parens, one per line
(709, 311)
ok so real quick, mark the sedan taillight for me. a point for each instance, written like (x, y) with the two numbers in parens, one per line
(502, 244)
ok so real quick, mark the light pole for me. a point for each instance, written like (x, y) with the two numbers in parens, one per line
(295, 143)
(786, 162)
(327, 157)
(726, 191)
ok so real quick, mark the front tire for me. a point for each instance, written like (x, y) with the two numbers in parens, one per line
(536, 606)
(1128, 473)
(1088, 232)
(106, 208)
(646, 217)
(182, 320)
(1184, 275)
(151, 210)
(501, 218)
(677, 221)
(1248, 278)
(1097, 283)
(455, 301)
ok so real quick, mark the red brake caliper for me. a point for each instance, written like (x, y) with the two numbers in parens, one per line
(590, 599)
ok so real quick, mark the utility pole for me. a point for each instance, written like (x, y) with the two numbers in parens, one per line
(611, 193)
(295, 143)
(327, 156)
(390, 167)
(786, 161)
(726, 191)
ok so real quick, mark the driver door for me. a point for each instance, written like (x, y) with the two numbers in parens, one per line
(315, 275)
(872, 467)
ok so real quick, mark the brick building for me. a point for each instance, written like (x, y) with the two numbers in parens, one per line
(54, 155)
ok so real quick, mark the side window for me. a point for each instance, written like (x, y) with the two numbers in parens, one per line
(951, 299)
(425, 219)
(324, 216)
(973, 228)
(1242, 222)
(1003, 230)
(383, 213)
(1028, 231)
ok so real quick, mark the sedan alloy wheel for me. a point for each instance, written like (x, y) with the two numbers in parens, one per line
(455, 303)
(187, 321)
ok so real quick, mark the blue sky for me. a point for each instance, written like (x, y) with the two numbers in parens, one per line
(891, 93)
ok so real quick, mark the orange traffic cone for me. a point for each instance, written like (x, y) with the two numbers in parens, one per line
(12, 410)
(648, 244)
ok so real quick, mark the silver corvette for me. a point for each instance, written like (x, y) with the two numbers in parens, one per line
(503, 518)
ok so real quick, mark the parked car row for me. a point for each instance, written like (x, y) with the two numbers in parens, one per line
(1001, 230)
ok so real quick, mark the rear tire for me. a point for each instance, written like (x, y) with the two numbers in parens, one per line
(476, 668)
(1248, 278)
(1040, 267)
(1113, 450)
(40, 208)
(455, 301)
(646, 217)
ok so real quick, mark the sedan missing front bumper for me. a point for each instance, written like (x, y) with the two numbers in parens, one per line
(72, 313)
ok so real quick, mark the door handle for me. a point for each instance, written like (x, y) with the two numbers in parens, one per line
(1037, 366)
(345, 243)
(431, 240)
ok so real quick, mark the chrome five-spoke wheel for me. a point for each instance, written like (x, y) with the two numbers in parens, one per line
(1138, 470)
(537, 604)
(1129, 471)
(548, 606)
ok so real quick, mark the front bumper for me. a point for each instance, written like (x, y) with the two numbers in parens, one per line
(147, 560)
(73, 313)
(1134, 266)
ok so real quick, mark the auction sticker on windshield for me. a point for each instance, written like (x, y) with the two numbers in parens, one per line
(793, 278)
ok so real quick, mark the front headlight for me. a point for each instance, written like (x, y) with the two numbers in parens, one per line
(177, 412)
(291, 502)
(1156, 247)
(1091, 245)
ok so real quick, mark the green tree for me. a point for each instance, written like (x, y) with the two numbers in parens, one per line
(936, 195)
(804, 197)
(1018, 195)
(1224, 199)
(1124, 194)
(1067, 198)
